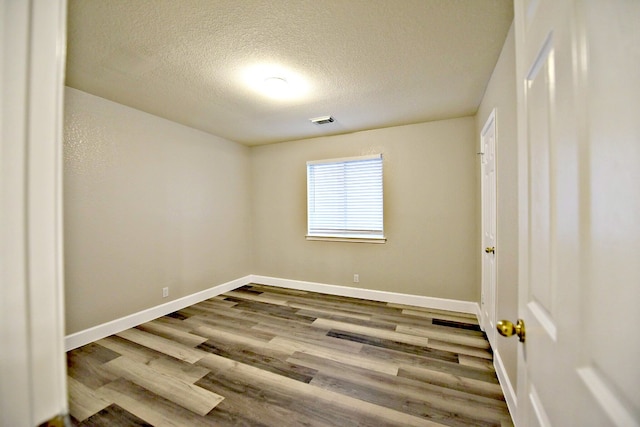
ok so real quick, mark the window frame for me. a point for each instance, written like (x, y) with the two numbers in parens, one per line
(354, 237)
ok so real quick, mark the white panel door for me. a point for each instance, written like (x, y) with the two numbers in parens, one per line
(578, 74)
(489, 221)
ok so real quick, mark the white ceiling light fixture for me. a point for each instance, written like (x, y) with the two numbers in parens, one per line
(276, 87)
(275, 82)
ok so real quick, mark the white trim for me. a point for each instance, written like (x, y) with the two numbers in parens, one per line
(118, 325)
(478, 314)
(505, 384)
(95, 333)
(377, 240)
(384, 296)
(44, 176)
(32, 363)
(490, 121)
(345, 159)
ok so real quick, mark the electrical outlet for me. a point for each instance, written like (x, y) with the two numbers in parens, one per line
(165, 292)
(356, 278)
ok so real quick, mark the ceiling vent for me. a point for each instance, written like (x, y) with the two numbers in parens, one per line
(322, 120)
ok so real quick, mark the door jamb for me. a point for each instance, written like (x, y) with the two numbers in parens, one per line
(32, 61)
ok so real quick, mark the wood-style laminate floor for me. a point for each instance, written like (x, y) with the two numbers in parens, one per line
(264, 356)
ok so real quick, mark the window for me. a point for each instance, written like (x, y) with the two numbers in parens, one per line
(344, 199)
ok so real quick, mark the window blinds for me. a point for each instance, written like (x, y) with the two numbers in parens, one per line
(345, 197)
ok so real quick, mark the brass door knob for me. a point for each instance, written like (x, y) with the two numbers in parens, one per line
(491, 250)
(506, 329)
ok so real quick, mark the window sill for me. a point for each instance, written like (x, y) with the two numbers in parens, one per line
(376, 240)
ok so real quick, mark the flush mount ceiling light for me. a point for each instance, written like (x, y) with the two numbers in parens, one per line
(275, 82)
(276, 87)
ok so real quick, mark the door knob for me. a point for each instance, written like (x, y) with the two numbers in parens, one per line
(491, 250)
(506, 328)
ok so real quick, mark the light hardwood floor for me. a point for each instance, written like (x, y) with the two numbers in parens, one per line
(264, 356)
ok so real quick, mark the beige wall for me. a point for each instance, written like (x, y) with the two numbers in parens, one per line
(148, 203)
(501, 94)
(430, 186)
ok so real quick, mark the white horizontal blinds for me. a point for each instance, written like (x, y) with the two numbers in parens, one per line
(345, 197)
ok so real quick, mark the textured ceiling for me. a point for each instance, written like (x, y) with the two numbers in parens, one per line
(368, 63)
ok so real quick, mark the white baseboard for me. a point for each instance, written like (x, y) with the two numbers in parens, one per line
(507, 387)
(478, 314)
(95, 333)
(346, 291)
(118, 325)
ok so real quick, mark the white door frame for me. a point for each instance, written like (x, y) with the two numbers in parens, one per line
(489, 220)
(32, 359)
